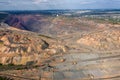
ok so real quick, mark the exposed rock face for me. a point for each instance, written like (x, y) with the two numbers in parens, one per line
(102, 40)
(28, 22)
(49, 25)
(22, 47)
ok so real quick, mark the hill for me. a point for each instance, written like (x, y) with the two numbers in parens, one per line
(19, 46)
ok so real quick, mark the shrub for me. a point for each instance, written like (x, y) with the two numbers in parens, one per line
(1, 42)
(1, 64)
(10, 64)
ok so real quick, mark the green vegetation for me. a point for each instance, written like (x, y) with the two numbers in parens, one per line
(15, 67)
(4, 78)
(1, 64)
(10, 64)
(11, 67)
(105, 19)
(114, 20)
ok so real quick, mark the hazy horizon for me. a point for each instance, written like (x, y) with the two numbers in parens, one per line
(57, 4)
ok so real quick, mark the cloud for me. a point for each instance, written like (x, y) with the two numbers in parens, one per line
(87, 2)
(57, 4)
(40, 1)
(4, 2)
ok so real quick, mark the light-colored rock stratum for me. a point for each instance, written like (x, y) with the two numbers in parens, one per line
(23, 47)
(102, 40)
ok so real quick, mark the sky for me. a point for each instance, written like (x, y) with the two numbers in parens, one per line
(58, 4)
